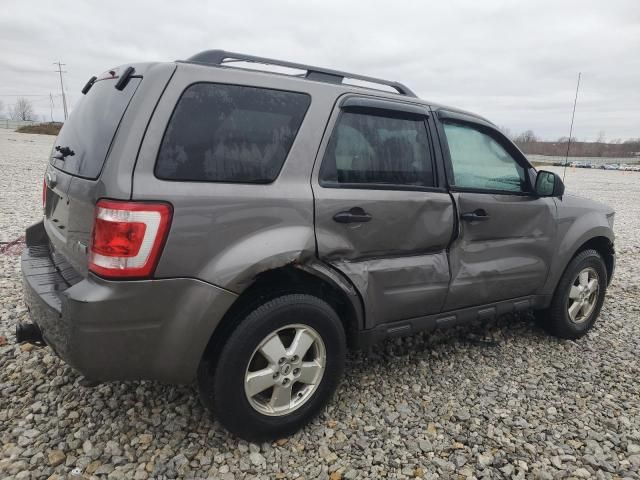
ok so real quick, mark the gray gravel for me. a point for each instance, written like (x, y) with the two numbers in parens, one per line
(496, 401)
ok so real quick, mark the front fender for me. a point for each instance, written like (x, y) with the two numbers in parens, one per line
(576, 226)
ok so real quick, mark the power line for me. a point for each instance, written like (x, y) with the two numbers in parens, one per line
(64, 99)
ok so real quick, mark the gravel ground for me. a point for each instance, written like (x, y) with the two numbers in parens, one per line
(495, 401)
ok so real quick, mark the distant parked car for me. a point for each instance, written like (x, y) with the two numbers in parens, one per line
(580, 164)
(630, 168)
(611, 166)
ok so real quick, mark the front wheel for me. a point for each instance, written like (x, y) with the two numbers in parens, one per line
(578, 298)
(277, 369)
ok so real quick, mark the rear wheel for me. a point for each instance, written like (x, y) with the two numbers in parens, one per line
(277, 369)
(578, 298)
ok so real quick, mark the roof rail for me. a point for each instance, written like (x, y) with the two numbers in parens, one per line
(220, 57)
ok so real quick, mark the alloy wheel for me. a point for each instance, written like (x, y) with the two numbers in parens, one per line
(285, 370)
(583, 295)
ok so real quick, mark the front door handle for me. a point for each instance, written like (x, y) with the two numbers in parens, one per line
(354, 215)
(476, 215)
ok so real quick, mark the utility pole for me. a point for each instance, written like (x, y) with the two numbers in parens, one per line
(51, 99)
(64, 98)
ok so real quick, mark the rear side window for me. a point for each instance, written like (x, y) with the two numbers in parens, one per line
(90, 129)
(230, 133)
(374, 148)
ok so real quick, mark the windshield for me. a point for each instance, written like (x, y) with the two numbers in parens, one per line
(83, 143)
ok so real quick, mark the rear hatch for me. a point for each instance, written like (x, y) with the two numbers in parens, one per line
(76, 161)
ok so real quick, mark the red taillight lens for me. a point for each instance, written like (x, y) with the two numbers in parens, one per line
(44, 193)
(127, 238)
(117, 239)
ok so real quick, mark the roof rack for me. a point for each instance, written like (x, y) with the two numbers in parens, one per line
(221, 57)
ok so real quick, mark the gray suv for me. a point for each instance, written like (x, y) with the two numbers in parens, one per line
(242, 228)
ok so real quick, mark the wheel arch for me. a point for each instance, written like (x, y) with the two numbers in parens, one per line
(314, 278)
(604, 246)
(599, 240)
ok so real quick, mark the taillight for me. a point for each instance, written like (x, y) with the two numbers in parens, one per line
(128, 237)
(44, 193)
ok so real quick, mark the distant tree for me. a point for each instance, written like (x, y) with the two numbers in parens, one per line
(526, 137)
(602, 137)
(22, 110)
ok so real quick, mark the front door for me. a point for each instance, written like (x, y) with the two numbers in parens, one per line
(382, 217)
(506, 234)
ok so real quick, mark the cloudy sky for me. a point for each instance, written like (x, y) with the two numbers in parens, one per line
(515, 62)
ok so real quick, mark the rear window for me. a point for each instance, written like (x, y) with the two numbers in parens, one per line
(91, 127)
(230, 133)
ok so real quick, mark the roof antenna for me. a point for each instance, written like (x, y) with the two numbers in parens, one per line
(575, 100)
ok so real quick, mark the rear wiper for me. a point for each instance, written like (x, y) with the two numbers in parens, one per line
(64, 152)
(88, 85)
(124, 78)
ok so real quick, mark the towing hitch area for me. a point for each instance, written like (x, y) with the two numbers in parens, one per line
(30, 333)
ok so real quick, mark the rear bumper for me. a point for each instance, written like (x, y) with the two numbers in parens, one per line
(121, 330)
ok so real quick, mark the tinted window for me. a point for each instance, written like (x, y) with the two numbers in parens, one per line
(91, 127)
(479, 161)
(378, 149)
(230, 133)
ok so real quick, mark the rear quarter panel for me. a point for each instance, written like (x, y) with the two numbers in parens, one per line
(226, 233)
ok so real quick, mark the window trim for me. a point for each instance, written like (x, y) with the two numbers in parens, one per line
(487, 128)
(378, 107)
(229, 182)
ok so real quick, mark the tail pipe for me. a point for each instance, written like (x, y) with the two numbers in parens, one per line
(30, 333)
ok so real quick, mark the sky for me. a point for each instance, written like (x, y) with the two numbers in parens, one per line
(514, 62)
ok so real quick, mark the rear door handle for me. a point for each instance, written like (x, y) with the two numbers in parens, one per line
(354, 215)
(476, 215)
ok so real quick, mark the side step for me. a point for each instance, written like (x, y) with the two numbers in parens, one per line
(366, 338)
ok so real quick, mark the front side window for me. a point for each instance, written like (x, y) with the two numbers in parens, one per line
(230, 133)
(480, 162)
(378, 149)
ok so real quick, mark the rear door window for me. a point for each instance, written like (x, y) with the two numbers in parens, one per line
(369, 148)
(230, 133)
(90, 129)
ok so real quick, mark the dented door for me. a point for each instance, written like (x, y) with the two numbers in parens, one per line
(504, 256)
(381, 217)
(506, 233)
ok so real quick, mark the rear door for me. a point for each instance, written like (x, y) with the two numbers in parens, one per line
(506, 233)
(382, 216)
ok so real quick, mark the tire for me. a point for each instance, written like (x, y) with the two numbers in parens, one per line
(264, 415)
(557, 320)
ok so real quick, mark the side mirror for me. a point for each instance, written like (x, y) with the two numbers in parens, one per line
(549, 184)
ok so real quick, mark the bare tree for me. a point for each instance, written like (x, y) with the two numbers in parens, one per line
(526, 137)
(22, 110)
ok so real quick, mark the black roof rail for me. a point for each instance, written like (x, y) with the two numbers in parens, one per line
(220, 57)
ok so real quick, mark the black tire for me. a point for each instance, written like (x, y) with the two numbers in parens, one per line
(221, 386)
(556, 320)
